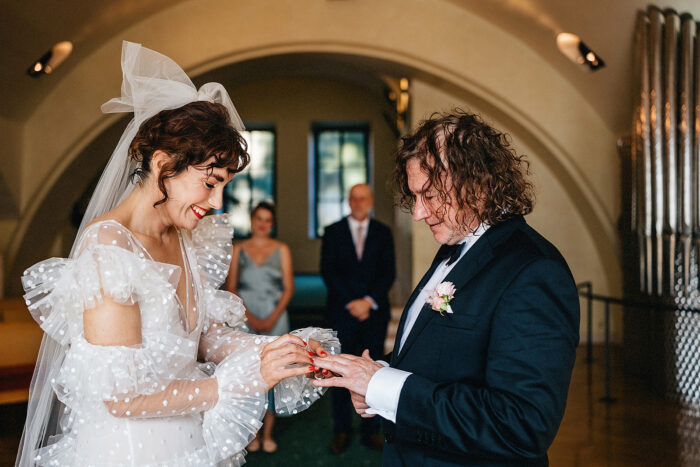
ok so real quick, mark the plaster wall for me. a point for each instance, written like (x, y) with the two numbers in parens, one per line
(442, 43)
(292, 106)
(11, 156)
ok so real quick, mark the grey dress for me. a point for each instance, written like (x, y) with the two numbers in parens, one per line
(261, 287)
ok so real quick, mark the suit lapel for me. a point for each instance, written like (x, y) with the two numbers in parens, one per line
(368, 249)
(471, 263)
(465, 269)
(347, 238)
(414, 295)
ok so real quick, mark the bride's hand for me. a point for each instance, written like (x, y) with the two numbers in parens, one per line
(283, 351)
(318, 351)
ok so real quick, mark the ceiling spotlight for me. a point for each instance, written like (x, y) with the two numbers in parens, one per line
(51, 59)
(575, 50)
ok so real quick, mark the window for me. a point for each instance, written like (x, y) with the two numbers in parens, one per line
(340, 160)
(254, 184)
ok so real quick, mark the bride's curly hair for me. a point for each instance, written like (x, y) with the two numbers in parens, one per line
(190, 135)
(463, 155)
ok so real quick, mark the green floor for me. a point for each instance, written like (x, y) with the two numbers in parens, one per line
(303, 440)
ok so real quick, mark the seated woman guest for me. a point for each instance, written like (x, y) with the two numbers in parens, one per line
(261, 273)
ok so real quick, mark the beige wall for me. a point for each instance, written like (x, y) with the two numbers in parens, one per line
(11, 152)
(483, 66)
(292, 106)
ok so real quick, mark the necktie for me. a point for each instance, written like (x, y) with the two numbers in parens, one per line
(450, 251)
(360, 245)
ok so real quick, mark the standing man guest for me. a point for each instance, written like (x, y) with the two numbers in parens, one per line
(358, 267)
(486, 344)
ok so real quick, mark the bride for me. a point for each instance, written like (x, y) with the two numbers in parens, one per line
(136, 307)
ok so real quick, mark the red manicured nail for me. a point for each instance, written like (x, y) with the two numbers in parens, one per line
(304, 342)
(323, 354)
(311, 354)
(317, 368)
(325, 372)
(311, 368)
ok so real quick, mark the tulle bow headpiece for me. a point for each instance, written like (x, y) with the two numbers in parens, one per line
(151, 82)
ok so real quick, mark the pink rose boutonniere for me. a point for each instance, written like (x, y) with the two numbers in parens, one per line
(440, 298)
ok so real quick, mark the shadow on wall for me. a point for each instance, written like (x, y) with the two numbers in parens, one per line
(55, 210)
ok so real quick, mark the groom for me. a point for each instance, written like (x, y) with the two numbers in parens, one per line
(486, 344)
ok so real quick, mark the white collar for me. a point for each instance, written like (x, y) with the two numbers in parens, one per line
(471, 238)
(354, 223)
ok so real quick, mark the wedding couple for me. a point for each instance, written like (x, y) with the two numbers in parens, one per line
(482, 360)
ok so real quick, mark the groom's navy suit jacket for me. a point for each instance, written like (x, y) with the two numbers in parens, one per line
(489, 381)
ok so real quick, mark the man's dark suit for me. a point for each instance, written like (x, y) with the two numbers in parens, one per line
(489, 381)
(347, 279)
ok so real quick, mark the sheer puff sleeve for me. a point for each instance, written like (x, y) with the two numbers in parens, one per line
(109, 266)
(225, 331)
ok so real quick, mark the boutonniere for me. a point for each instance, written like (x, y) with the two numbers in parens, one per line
(440, 298)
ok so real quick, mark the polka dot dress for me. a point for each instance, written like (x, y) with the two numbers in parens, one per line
(156, 403)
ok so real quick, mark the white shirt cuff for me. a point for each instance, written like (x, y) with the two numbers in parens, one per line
(372, 302)
(383, 392)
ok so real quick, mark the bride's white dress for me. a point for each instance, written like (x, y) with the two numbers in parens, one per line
(148, 404)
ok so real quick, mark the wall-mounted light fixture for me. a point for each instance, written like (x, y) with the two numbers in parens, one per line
(398, 94)
(51, 59)
(575, 50)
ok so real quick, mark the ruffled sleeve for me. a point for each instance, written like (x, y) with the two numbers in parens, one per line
(110, 263)
(224, 333)
(237, 416)
(212, 246)
(293, 395)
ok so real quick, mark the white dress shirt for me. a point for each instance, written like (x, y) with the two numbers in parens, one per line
(385, 386)
(354, 224)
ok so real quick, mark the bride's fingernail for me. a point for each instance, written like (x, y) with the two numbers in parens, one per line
(311, 368)
(323, 354)
(325, 372)
(311, 354)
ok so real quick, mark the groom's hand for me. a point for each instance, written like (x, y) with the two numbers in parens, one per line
(354, 372)
(360, 404)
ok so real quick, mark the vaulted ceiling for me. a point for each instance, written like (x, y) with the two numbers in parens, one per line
(30, 27)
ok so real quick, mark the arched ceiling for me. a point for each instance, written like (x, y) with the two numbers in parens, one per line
(30, 27)
(606, 26)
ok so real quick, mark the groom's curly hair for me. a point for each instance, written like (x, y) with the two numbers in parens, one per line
(190, 135)
(461, 154)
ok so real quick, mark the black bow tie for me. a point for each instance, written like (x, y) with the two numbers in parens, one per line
(450, 251)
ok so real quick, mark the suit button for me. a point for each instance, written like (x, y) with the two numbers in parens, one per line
(388, 438)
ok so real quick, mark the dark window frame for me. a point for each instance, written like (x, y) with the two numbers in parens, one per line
(316, 130)
(267, 127)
